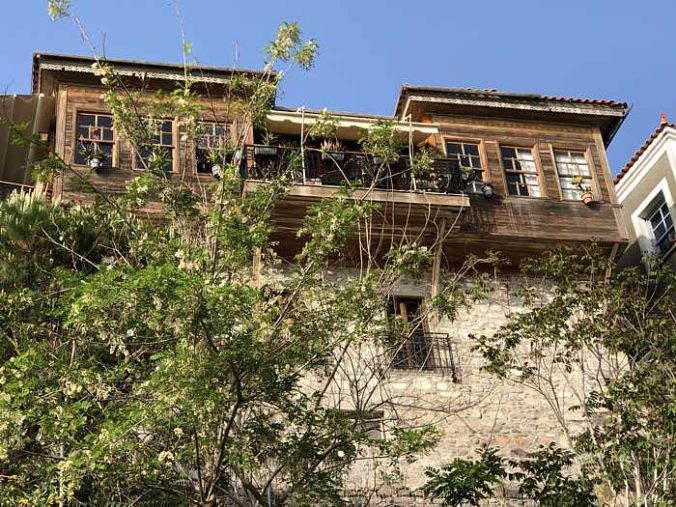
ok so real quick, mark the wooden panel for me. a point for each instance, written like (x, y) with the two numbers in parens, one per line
(85, 98)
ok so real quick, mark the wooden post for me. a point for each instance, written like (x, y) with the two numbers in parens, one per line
(256, 268)
(436, 268)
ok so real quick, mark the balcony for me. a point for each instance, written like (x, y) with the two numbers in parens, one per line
(442, 184)
(426, 351)
(7, 187)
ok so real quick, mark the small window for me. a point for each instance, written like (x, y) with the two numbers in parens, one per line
(414, 352)
(161, 134)
(574, 173)
(467, 155)
(520, 171)
(660, 225)
(211, 137)
(94, 131)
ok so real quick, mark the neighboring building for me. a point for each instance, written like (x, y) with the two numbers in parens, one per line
(532, 158)
(646, 189)
(34, 113)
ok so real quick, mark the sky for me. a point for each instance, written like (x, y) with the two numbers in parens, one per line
(618, 49)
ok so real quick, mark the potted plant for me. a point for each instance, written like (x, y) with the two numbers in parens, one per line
(587, 197)
(268, 145)
(332, 150)
(215, 159)
(94, 155)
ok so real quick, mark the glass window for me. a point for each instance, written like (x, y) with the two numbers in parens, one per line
(94, 132)
(661, 225)
(520, 171)
(161, 133)
(211, 137)
(574, 173)
(466, 155)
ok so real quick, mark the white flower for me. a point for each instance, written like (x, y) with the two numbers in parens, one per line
(340, 454)
(178, 432)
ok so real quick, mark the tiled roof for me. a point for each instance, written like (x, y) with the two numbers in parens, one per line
(663, 125)
(492, 92)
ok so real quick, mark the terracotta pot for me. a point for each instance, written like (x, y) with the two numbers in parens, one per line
(587, 198)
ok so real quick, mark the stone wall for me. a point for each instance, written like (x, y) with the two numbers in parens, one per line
(474, 410)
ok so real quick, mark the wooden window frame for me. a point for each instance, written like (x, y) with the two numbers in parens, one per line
(175, 148)
(423, 328)
(228, 126)
(76, 139)
(538, 169)
(483, 157)
(586, 150)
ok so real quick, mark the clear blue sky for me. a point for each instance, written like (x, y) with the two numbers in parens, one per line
(621, 49)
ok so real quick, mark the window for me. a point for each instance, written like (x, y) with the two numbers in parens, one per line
(661, 225)
(161, 139)
(211, 138)
(520, 171)
(413, 352)
(467, 155)
(94, 130)
(574, 173)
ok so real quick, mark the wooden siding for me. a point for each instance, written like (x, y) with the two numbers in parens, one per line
(517, 226)
(73, 99)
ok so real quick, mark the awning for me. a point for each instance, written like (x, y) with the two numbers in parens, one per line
(350, 126)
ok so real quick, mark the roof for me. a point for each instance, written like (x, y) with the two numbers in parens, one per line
(664, 124)
(606, 114)
(494, 93)
(159, 70)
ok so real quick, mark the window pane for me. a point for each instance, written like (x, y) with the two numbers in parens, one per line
(86, 119)
(105, 121)
(561, 156)
(514, 186)
(453, 148)
(525, 154)
(508, 152)
(472, 149)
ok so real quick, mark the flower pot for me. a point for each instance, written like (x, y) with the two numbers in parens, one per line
(217, 171)
(587, 198)
(267, 151)
(96, 162)
(333, 155)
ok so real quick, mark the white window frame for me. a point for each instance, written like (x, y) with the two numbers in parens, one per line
(639, 218)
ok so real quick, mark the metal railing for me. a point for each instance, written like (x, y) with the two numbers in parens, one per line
(422, 350)
(313, 166)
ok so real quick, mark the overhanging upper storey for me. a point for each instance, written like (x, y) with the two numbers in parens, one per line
(419, 102)
(50, 68)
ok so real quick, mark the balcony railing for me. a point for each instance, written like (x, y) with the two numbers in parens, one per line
(335, 168)
(426, 351)
(7, 187)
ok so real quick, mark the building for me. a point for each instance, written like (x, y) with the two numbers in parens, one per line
(646, 189)
(518, 173)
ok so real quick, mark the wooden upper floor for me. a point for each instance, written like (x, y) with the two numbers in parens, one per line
(514, 172)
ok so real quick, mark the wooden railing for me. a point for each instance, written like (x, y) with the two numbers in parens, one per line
(7, 187)
(312, 166)
(421, 350)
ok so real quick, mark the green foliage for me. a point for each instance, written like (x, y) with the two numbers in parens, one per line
(288, 46)
(421, 162)
(466, 481)
(383, 142)
(58, 9)
(542, 477)
(615, 335)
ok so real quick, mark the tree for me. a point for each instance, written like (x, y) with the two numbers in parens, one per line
(608, 340)
(184, 361)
